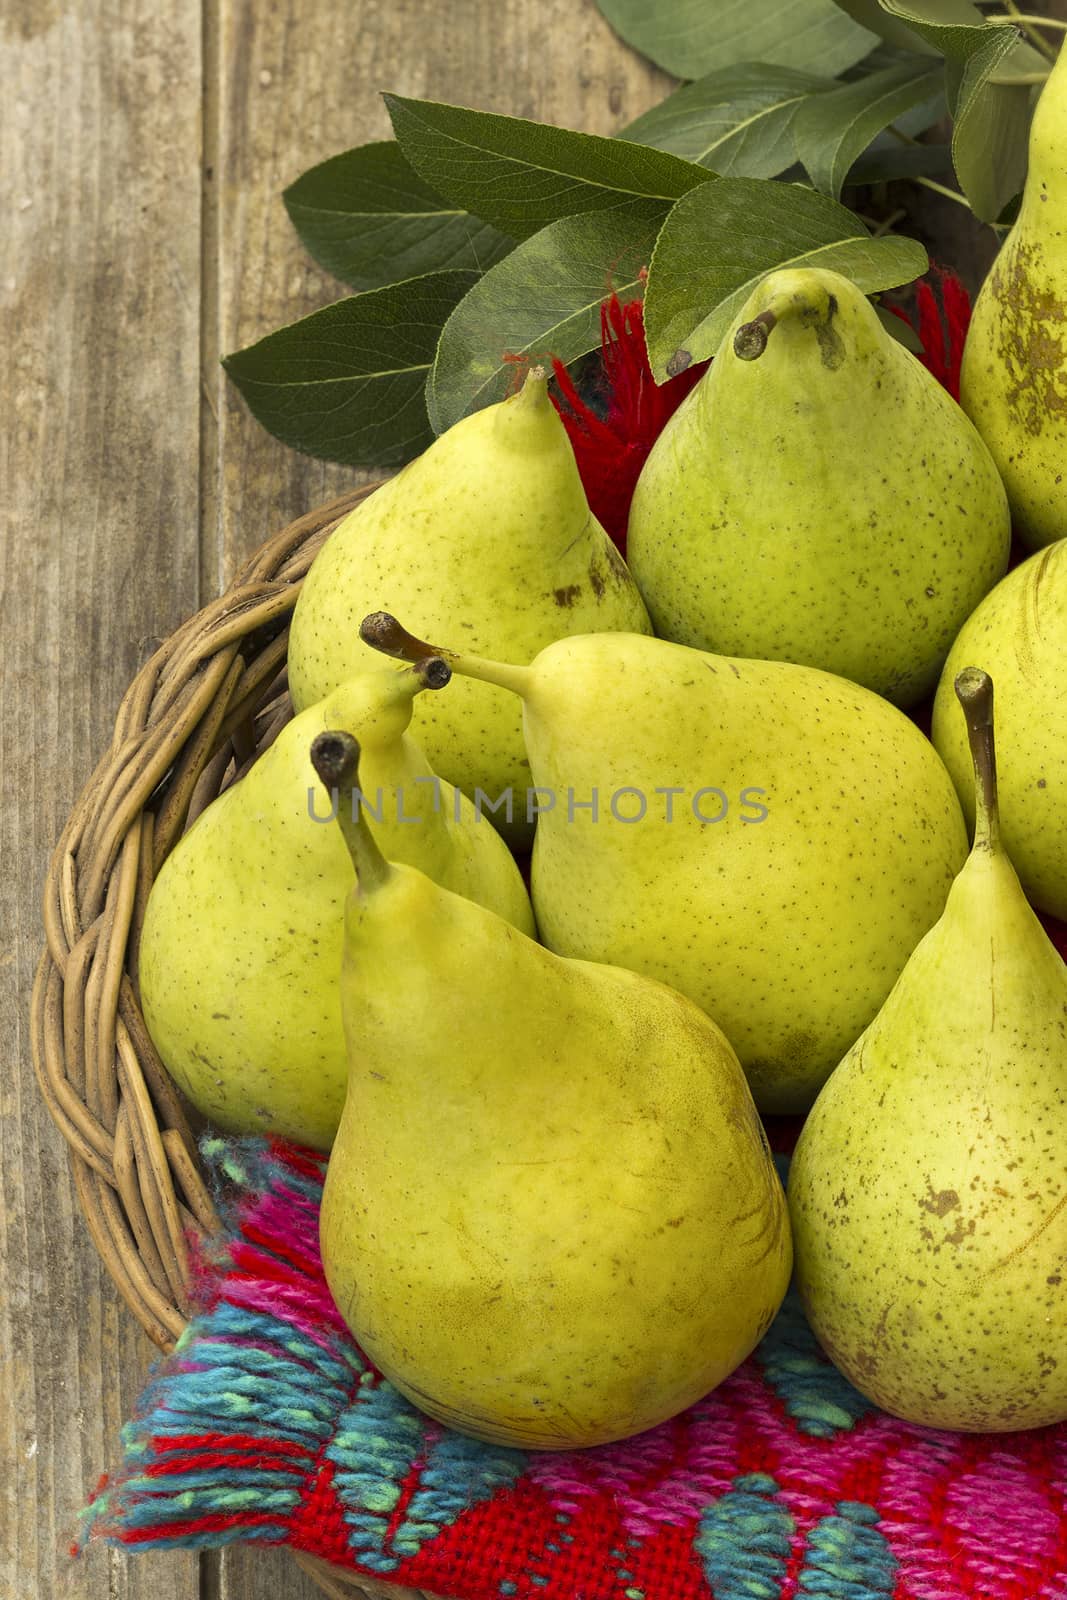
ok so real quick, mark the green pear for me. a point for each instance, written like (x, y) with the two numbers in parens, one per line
(1013, 383)
(551, 1217)
(928, 1190)
(770, 840)
(1019, 636)
(488, 531)
(819, 498)
(243, 929)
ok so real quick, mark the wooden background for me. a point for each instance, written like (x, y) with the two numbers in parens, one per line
(144, 149)
(143, 152)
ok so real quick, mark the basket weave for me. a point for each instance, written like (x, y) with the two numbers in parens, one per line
(197, 714)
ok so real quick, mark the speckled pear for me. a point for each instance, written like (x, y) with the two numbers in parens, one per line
(1019, 636)
(771, 840)
(244, 925)
(819, 498)
(551, 1217)
(929, 1187)
(1013, 383)
(489, 531)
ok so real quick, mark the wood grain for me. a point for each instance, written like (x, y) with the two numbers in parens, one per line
(302, 81)
(100, 285)
(144, 151)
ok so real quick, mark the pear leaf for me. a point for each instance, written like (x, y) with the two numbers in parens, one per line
(738, 121)
(718, 243)
(694, 37)
(542, 300)
(901, 331)
(833, 130)
(870, 14)
(989, 134)
(521, 175)
(883, 162)
(347, 383)
(957, 28)
(368, 218)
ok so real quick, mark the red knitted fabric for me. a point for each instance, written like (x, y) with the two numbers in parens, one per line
(270, 1425)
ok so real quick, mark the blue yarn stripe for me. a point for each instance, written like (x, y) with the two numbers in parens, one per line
(267, 1532)
(744, 1539)
(816, 1395)
(377, 1442)
(235, 1322)
(459, 1473)
(848, 1558)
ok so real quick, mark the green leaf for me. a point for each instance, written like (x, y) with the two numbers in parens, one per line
(738, 121)
(370, 220)
(901, 331)
(694, 37)
(543, 300)
(522, 175)
(989, 135)
(717, 244)
(896, 33)
(347, 383)
(957, 28)
(883, 162)
(833, 130)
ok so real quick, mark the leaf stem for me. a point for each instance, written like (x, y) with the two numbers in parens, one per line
(1029, 24)
(1019, 79)
(889, 222)
(928, 183)
(940, 188)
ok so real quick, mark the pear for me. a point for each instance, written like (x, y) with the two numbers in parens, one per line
(771, 840)
(491, 526)
(929, 1187)
(551, 1217)
(244, 924)
(1013, 382)
(819, 498)
(1019, 636)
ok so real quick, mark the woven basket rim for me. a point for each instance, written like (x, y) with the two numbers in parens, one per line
(207, 701)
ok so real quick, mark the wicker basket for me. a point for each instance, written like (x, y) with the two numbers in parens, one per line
(197, 714)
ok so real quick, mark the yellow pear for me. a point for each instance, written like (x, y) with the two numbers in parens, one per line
(770, 840)
(819, 498)
(1013, 383)
(488, 531)
(1019, 636)
(928, 1189)
(551, 1217)
(244, 925)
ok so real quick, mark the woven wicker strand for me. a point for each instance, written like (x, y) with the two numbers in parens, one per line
(210, 699)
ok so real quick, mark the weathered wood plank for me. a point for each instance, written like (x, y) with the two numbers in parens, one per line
(300, 82)
(99, 158)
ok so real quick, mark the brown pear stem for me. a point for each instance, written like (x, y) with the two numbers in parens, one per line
(750, 340)
(434, 672)
(974, 691)
(335, 757)
(383, 632)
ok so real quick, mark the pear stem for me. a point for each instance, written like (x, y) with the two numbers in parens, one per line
(383, 632)
(974, 691)
(335, 757)
(750, 340)
(429, 673)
